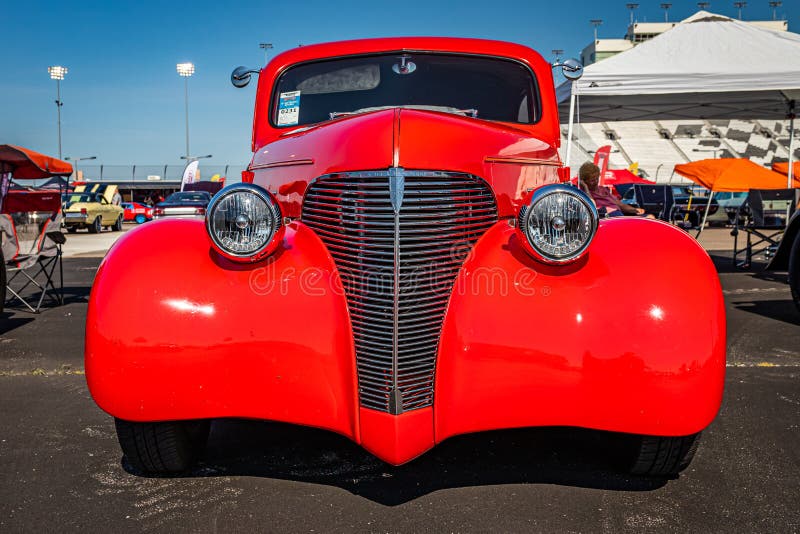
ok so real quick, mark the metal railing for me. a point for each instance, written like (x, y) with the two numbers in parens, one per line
(153, 173)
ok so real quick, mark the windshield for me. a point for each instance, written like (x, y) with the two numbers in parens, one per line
(487, 88)
(189, 197)
(86, 197)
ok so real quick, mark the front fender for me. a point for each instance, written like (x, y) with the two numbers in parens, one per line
(174, 331)
(630, 338)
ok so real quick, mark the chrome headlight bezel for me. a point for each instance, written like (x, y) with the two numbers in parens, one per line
(523, 222)
(273, 211)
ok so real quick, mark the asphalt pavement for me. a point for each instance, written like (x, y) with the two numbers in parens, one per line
(61, 468)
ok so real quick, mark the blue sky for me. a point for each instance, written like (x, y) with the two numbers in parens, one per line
(124, 101)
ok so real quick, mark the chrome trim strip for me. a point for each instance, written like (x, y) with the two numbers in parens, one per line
(287, 163)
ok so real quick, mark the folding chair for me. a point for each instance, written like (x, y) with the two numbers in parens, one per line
(656, 200)
(762, 216)
(31, 245)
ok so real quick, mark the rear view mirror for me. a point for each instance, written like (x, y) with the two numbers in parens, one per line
(240, 76)
(571, 69)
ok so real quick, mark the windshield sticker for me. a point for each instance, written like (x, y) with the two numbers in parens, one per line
(289, 108)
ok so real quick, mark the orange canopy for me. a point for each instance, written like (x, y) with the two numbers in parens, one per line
(25, 164)
(732, 174)
(783, 168)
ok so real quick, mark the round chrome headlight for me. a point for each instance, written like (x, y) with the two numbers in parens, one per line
(559, 223)
(244, 222)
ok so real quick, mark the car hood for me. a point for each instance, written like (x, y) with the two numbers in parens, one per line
(507, 157)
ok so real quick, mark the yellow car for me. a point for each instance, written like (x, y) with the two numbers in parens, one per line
(92, 210)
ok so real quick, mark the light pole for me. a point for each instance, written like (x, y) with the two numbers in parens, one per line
(775, 6)
(739, 6)
(703, 5)
(557, 52)
(185, 70)
(195, 158)
(633, 8)
(265, 47)
(76, 160)
(666, 7)
(57, 73)
(595, 23)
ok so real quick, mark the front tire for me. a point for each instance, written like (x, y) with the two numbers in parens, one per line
(663, 456)
(96, 227)
(162, 448)
(794, 270)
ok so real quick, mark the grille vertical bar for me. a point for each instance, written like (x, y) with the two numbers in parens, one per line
(398, 238)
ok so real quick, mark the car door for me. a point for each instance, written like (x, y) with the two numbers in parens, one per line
(107, 214)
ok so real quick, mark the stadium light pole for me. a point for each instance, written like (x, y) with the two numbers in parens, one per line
(739, 6)
(57, 73)
(266, 47)
(557, 52)
(76, 160)
(666, 7)
(185, 70)
(703, 5)
(633, 8)
(775, 6)
(595, 23)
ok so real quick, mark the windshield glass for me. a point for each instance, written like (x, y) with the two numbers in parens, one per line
(85, 197)
(189, 197)
(487, 88)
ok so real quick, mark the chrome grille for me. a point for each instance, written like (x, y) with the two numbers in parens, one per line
(398, 238)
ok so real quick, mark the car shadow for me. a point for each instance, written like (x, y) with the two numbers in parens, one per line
(779, 310)
(563, 456)
(9, 322)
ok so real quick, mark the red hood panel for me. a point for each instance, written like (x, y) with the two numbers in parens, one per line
(432, 140)
(508, 158)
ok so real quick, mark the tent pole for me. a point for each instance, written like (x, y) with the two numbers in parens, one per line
(569, 127)
(705, 215)
(791, 148)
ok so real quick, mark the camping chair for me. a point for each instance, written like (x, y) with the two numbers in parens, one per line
(762, 216)
(31, 254)
(656, 200)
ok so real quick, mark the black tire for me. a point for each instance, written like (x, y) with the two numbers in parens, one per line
(117, 227)
(794, 270)
(2, 282)
(72, 229)
(162, 448)
(663, 456)
(96, 227)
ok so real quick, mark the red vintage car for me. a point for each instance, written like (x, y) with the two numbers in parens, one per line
(139, 213)
(402, 264)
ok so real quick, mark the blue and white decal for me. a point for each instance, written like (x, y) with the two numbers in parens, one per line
(289, 108)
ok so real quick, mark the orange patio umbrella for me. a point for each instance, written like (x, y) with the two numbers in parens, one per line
(732, 175)
(783, 168)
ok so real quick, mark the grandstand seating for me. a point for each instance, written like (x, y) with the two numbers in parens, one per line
(658, 145)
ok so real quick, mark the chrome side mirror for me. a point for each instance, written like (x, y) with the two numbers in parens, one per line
(240, 76)
(571, 69)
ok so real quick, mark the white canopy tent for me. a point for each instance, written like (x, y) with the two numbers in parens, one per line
(707, 67)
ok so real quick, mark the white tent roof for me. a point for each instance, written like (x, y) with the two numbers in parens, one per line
(707, 67)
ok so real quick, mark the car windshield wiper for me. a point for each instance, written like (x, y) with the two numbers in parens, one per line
(472, 112)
